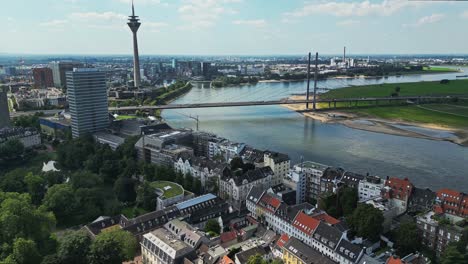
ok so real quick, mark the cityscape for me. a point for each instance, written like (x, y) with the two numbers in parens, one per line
(211, 139)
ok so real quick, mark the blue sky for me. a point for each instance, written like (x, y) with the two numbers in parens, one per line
(217, 27)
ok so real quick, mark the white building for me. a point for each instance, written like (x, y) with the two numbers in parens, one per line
(370, 187)
(279, 164)
(235, 185)
(207, 171)
(313, 172)
(29, 137)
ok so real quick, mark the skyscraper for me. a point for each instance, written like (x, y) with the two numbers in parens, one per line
(87, 97)
(4, 111)
(59, 68)
(134, 24)
(43, 77)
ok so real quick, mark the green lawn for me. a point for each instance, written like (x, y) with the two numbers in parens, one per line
(406, 89)
(439, 69)
(173, 191)
(132, 212)
(124, 117)
(413, 113)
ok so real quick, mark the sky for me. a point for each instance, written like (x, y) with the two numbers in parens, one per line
(235, 27)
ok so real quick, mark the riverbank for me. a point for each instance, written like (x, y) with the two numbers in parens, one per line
(399, 127)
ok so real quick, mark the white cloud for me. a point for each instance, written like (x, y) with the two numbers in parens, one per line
(155, 26)
(144, 2)
(254, 23)
(198, 14)
(426, 20)
(98, 16)
(349, 22)
(464, 14)
(54, 23)
(348, 9)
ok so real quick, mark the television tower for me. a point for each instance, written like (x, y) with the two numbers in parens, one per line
(134, 24)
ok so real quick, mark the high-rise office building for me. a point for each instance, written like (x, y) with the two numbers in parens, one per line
(87, 97)
(134, 24)
(59, 69)
(4, 111)
(43, 77)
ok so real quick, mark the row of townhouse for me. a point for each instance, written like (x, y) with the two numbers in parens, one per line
(312, 227)
(208, 171)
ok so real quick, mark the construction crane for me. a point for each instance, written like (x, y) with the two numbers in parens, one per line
(191, 117)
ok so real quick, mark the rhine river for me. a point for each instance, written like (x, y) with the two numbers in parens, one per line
(427, 163)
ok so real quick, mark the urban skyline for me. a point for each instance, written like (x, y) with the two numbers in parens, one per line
(238, 27)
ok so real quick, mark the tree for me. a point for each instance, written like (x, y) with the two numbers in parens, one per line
(407, 238)
(74, 248)
(237, 163)
(113, 247)
(366, 221)
(452, 255)
(13, 181)
(25, 252)
(348, 199)
(36, 187)
(213, 226)
(188, 182)
(60, 199)
(84, 179)
(256, 259)
(11, 150)
(124, 188)
(20, 219)
(146, 196)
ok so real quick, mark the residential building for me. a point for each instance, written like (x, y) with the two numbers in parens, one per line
(313, 172)
(351, 179)
(87, 95)
(438, 230)
(295, 251)
(235, 185)
(163, 148)
(43, 77)
(163, 247)
(398, 192)
(330, 181)
(202, 168)
(370, 187)
(421, 200)
(243, 256)
(169, 193)
(452, 203)
(297, 181)
(279, 164)
(4, 109)
(29, 137)
(59, 70)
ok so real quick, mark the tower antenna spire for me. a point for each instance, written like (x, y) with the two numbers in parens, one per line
(133, 9)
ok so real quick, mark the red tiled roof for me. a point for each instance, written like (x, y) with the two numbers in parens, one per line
(401, 188)
(226, 260)
(269, 202)
(282, 240)
(438, 209)
(392, 260)
(228, 236)
(326, 218)
(305, 223)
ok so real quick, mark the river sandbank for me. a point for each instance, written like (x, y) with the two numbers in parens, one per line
(377, 125)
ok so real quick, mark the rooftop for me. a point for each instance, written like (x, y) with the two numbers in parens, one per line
(196, 200)
(169, 189)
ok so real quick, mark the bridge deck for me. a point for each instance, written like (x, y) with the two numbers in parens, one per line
(274, 102)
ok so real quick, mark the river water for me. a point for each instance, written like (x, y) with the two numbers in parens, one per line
(427, 163)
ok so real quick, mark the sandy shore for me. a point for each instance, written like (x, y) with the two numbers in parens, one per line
(377, 125)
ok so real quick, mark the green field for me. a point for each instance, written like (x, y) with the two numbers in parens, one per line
(124, 117)
(406, 89)
(414, 113)
(447, 114)
(173, 191)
